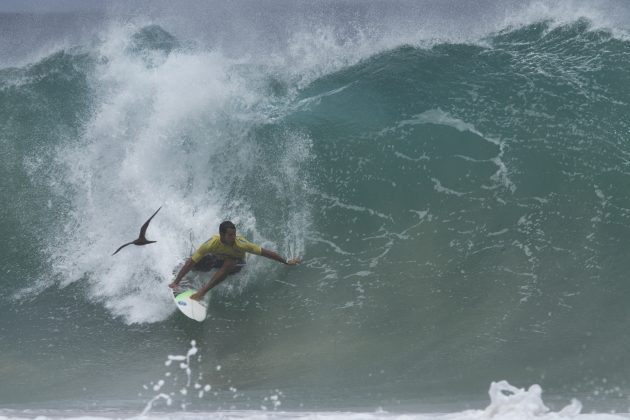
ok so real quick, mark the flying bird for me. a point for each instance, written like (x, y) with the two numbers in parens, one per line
(142, 239)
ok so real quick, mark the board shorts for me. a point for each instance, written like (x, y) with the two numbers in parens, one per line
(210, 262)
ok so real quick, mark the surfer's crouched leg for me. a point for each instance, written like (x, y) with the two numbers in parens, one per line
(234, 267)
(210, 262)
(227, 267)
(207, 263)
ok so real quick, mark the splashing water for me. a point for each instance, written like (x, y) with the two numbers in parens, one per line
(185, 363)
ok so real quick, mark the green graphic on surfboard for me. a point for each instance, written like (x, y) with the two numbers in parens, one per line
(193, 309)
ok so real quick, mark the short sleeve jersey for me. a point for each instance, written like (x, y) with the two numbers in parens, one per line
(217, 248)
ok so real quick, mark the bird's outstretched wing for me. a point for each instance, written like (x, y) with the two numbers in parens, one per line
(129, 243)
(143, 229)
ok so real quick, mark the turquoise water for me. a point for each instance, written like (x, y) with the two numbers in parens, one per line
(458, 193)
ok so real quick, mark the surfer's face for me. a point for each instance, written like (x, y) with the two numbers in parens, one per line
(229, 237)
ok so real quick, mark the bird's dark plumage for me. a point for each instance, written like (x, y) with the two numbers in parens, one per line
(142, 239)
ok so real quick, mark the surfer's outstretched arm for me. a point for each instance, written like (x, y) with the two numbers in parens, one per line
(188, 265)
(276, 257)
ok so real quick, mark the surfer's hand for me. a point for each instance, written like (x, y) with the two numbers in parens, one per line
(294, 261)
(173, 285)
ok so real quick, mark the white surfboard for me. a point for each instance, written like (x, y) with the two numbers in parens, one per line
(193, 309)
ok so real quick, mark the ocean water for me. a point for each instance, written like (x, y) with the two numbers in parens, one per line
(456, 176)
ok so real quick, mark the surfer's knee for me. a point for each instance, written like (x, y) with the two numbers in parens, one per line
(228, 265)
(231, 266)
(207, 263)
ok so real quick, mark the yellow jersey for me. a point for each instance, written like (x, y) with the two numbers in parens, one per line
(217, 248)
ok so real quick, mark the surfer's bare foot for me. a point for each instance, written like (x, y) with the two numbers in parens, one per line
(196, 296)
(174, 285)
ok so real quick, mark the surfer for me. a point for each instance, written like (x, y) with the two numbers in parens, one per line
(226, 252)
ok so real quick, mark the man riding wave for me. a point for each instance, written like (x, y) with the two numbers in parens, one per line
(226, 252)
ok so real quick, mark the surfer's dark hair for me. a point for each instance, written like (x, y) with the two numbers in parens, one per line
(223, 227)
